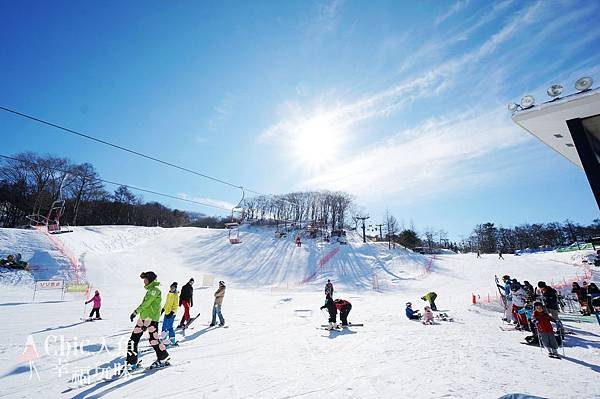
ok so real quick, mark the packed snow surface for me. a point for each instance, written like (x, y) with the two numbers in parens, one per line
(274, 347)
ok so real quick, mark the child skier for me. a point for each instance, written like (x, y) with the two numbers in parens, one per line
(298, 241)
(332, 309)
(96, 307)
(170, 309)
(219, 295)
(344, 307)
(427, 316)
(545, 331)
(412, 314)
(430, 297)
(149, 315)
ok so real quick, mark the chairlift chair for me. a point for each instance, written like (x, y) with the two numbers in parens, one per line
(233, 232)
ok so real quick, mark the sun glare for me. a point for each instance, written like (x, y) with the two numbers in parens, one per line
(317, 142)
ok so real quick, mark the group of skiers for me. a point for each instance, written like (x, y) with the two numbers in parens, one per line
(334, 305)
(535, 309)
(148, 316)
(588, 296)
(427, 316)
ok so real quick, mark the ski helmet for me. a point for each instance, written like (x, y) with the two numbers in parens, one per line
(408, 304)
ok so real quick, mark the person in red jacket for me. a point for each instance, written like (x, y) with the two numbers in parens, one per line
(344, 307)
(545, 331)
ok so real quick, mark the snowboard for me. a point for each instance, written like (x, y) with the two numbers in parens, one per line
(188, 323)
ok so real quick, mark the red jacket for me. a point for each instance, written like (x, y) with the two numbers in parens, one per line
(543, 322)
(340, 303)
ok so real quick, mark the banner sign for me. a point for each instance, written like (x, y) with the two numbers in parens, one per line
(77, 287)
(49, 284)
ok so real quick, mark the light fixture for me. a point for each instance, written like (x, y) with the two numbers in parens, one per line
(584, 83)
(512, 107)
(527, 101)
(554, 90)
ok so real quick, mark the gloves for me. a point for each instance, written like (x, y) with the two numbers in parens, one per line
(132, 316)
(170, 315)
(322, 307)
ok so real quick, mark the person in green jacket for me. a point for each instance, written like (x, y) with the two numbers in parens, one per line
(430, 297)
(148, 316)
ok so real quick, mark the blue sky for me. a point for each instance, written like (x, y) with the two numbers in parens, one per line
(402, 104)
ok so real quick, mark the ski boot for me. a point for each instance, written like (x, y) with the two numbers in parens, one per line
(160, 363)
(173, 341)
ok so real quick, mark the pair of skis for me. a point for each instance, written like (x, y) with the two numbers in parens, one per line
(339, 326)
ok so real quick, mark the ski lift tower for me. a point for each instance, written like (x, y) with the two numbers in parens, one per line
(570, 125)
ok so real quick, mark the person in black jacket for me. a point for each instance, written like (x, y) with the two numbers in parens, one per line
(186, 298)
(550, 297)
(331, 308)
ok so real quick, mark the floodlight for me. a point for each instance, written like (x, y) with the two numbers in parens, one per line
(554, 90)
(584, 83)
(527, 101)
(512, 107)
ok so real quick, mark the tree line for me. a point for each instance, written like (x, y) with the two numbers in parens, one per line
(31, 183)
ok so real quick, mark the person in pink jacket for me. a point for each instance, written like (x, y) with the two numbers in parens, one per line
(97, 303)
(428, 316)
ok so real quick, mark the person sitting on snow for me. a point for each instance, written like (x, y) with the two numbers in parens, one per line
(412, 314)
(428, 316)
(332, 309)
(430, 297)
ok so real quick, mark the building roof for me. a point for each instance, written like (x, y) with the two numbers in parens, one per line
(548, 121)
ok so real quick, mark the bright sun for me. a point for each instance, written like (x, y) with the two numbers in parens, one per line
(317, 142)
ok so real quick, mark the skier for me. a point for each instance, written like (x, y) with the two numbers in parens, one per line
(550, 298)
(332, 309)
(96, 307)
(545, 330)
(581, 293)
(478, 254)
(186, 298)
(427, 315)
(412, 314)
(329, 288)
(500, 255)
(529, 290)
(430, 297)
(508, 309)
(518, 295)
(219, 295)
(344, 307)
(149, 315)
(527, 311)
(170, 309)
(298, 241)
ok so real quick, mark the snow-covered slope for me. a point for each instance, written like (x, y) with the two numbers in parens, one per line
(272, 348)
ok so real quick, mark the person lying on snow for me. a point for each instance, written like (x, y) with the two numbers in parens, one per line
(412, 314)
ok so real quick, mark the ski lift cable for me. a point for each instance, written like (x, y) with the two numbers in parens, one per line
(118, 184)
(87, 136)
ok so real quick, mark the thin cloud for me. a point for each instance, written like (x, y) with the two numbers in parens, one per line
(209, 201)
(456, 7)
(222, 111)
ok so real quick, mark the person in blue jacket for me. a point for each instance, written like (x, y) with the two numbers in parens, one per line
(412, 314)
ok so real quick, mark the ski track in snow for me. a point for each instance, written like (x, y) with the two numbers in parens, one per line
(268, 351)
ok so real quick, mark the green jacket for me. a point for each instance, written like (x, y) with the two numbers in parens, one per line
(429, 296)
(150, 307)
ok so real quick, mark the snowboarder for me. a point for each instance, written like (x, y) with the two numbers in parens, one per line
(500, 255)
(96, 307)
(412, 314)
(219, 295)
(170, 309)
(332, 309)
(344, 307)
(148, 316)
(478, 254)
(298, 241)
(329, 288)
(427, 315)
(430, 297)
(545, 330)
(186, 298)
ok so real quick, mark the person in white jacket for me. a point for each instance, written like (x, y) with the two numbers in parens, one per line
(519, 296)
